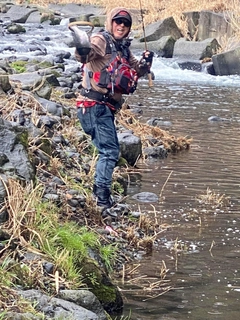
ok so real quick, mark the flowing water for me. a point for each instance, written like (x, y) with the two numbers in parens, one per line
(201, 245)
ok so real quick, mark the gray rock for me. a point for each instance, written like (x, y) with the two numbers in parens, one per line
(213, 25)
(5, 85)
(19, 14)
(163, 46)
(161, 28)
(190, 65)
(85, 299)
(15, 151)
(197, 50)
(55, 308)
(146, 197)
(16, 28)
(227, 63)
(130, 146)
(158, 122)
(50, 106)
(155, 152)
(33, 82)
(216, 119)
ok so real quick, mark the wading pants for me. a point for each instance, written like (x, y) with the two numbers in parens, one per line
(98, 122)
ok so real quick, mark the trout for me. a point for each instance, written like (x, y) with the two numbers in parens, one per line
(80, 37)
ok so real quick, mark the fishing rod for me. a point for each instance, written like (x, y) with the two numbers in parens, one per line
(150, 83)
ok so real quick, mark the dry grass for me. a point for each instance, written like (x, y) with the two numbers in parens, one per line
(170, 142)
(150, 287)
(215, 200)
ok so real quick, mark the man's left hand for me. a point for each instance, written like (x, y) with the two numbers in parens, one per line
(148, 56)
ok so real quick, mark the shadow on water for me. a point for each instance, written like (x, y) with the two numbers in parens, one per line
(201, 245)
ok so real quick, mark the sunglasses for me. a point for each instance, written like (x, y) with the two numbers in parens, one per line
(124, 21)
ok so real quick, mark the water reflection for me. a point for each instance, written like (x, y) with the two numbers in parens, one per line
(205, 273)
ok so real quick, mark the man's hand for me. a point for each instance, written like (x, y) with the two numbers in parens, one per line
(148, 56)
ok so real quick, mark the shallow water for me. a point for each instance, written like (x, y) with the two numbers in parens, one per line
(201, 246)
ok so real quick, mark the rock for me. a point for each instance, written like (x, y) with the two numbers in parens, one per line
(130, 146)
(85, 299)
(213, 25)
(163, 46)
(56, 307)
(190, 65)
(106, 292)
(52, 107)
(33, 82)
(207, 24)
(5, 85)
(156, 30)
(19, 14)
(227, 63)
(158, 122)
(155, 152)
(15, 28)
(208, 68)
(216, 119)
(195, 49)
(12, 145)
(145, 197)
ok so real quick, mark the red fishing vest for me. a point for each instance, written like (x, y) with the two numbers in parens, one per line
(117, 76)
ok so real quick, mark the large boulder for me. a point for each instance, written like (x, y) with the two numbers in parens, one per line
(13, 146)
(195, 49)
(18, 13)
(161, 28)
(207, 24)
(85, 299)
(213, 25)
(58, 308)
(163, 47)
(33, 82)
(227, 63)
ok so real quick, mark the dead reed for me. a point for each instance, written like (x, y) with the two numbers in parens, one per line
(170, 142)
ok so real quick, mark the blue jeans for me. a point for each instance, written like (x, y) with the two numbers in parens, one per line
(98, 122)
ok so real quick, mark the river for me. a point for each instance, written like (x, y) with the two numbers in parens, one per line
(200, 247)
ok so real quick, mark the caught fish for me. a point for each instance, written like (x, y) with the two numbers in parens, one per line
(80, 37)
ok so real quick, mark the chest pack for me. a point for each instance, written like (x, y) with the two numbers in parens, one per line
(117, 76)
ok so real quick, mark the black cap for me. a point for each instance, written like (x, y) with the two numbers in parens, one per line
(123, 14)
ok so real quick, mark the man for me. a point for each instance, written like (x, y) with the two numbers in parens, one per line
(103, 85)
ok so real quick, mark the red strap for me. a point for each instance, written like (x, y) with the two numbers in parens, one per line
(85, 104)
(88, 104)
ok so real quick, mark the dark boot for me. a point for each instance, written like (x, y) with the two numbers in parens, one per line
(103, 197)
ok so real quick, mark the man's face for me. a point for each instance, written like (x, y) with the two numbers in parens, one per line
(120, 28)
